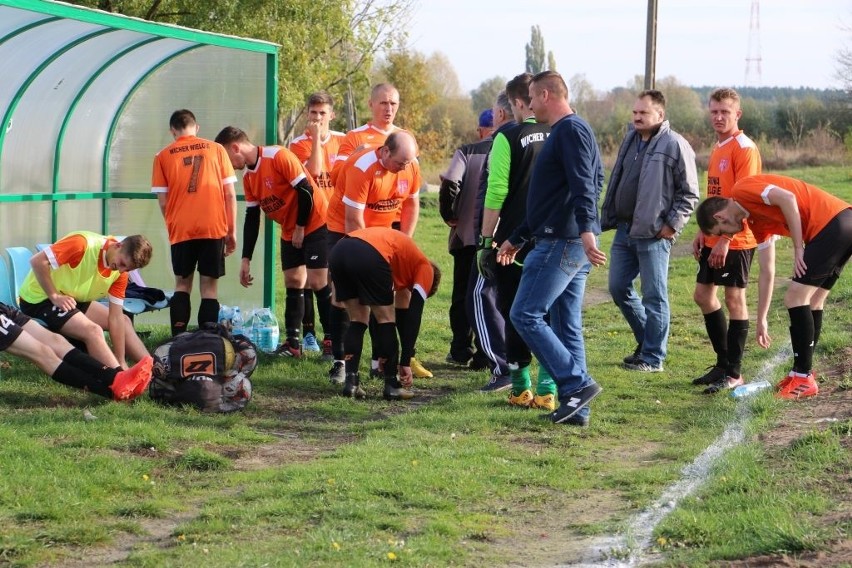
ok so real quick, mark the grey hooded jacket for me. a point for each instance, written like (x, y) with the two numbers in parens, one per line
(668, 185)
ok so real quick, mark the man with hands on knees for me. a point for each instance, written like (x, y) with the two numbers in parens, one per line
(820, 225)
(368, 266)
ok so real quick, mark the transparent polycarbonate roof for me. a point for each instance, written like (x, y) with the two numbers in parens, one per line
(85, 100)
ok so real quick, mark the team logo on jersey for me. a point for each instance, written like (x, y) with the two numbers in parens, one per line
(402, 187)
(268, 183)
(723, 165)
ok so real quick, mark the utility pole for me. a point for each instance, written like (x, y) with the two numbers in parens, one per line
(651, 46)
(753, 59)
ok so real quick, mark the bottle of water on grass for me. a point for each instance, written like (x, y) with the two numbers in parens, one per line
(749, 389)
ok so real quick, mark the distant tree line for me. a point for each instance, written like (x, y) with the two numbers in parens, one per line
(345, 46)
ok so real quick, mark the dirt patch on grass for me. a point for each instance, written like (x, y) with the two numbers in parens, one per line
(831, 408)
(543, 528)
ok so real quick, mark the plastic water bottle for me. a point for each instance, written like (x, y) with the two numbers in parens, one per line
(749, 389)
(226, 315)
(237, 322)
(253, 328)
(268, 324)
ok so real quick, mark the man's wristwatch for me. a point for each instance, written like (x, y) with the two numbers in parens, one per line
(484, 242)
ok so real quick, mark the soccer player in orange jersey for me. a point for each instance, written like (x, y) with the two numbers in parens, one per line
(276, 182)
(820, 225)
(317, 149)
(383, 103)
(194, 183)
(375, 185)
(726, 262)
(367, 267)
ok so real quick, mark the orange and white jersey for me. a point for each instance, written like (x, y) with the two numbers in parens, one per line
(193, 172)
(302, 146)
(410, 268)
(816, 207)
(368, 186)
(731, 160)
(357, 139)
(271, 185)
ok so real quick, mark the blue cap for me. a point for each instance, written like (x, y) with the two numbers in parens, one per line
(486, 118)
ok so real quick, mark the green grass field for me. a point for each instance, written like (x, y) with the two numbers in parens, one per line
(306, 478)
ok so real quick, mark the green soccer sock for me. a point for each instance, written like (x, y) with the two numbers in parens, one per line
(546, 384)
(520, 378)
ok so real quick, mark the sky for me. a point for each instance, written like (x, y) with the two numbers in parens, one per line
(699, 42)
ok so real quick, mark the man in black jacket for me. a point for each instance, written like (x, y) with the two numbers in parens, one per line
(512, 158)
(459, 187)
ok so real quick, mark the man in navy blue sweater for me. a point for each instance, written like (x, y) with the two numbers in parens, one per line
(562, 217)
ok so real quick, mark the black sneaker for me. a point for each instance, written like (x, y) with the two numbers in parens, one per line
(337, 373)
(576, 420)
(725, 384)
(634, 357)
(575, 402)
(711, 376)
(497, 383)
(455, 361)
(352, 387)
(375, 373)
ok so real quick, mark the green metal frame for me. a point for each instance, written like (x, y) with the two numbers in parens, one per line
(60, 139)
(111, 22)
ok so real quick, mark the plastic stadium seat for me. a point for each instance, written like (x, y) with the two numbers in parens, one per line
(6, 295)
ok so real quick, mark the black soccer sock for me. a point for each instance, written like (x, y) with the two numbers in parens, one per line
(323, 306)
(208, 312)
(338, 319)
(387, 348)
(90, 365)
(354, 342)
(737, 335)
(717, 330)
(294, 311)
(309, 317)
(802, 338)
(374, 355)
(817, 326)
(180, 309)
(68, 374)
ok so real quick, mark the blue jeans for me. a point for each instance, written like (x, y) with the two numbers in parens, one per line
(554, 282)
(648, 317)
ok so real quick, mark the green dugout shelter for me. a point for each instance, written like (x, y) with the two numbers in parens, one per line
(85, 100)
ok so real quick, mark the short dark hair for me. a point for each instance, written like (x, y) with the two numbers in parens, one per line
(553, 82)
(320, 98)
(705, 212)
(518, 87)
(181, 119)
(138, 249)
(231, 134)
(657, 97)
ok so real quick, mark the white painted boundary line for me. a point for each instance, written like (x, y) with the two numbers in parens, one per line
(627, 550)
